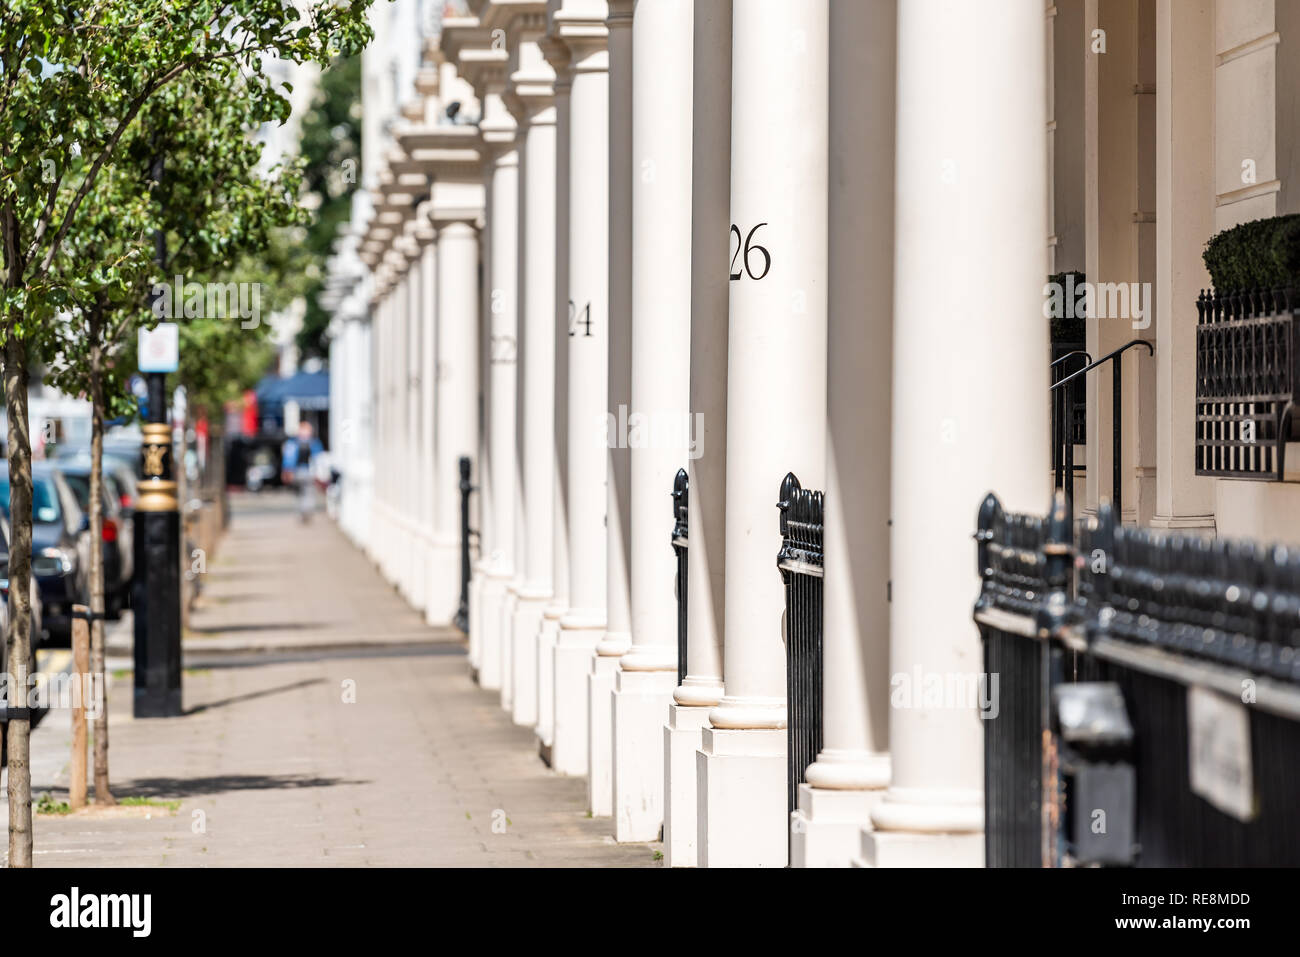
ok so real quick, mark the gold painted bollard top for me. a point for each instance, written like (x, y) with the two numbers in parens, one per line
(158, 490)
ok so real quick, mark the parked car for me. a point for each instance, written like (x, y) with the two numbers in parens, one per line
(118, 533)
(120, 461)
(60, 545)
(36, 633)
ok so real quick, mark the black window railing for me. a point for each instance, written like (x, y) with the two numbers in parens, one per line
(800, 562)
(1149, 694)
(681, 545)
(1247, 382)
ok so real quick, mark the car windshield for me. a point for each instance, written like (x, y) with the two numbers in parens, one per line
(45, 501)
(80, 485)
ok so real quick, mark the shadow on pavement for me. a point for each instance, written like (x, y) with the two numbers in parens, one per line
(220, 783)
(252, 695)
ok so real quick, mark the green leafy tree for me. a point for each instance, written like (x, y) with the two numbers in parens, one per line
(74, 79)
(207, 203)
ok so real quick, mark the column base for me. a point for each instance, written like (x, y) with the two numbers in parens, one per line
(916, 849)
(640, 705)
(442, 584)
(477, 576)
(547, 636)
(683, 735)
(826, 828)
(742, 799)
(525, 628)
(573, 652)
(600, 743)
(508, 604)
(492, 596)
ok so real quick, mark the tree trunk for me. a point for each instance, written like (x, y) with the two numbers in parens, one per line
(20, 597)
(102, 793)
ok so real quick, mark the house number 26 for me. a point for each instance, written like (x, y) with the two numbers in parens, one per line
(748, 247)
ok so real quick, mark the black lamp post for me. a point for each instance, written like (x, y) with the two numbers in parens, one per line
(157, 586)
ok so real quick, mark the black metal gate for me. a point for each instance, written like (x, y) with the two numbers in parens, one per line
(800, 562)
(681, 544)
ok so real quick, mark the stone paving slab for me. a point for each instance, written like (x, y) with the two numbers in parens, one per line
(274, 766)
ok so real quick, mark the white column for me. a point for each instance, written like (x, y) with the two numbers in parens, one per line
(663, 43)
(428, 471)
(558, 55)
(971, 213)
(457, 411)
(416, 476)
(701, 689)
(776, 406)
(533, 84)
(584, 621)
(852, 768)
(618, 492)
(1185, 167)
(503, 212)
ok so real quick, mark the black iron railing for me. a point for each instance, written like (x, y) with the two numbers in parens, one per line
(1247, 382)
(1069, 412)
(1149, 710)
(1066, 386)
(467, 535)
(800, 562)
(681, 545)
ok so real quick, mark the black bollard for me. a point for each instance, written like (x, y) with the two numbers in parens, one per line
(157, 586)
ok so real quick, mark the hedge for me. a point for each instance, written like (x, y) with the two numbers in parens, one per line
(1262, 254)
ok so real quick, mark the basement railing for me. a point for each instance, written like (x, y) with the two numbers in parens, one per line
(1148, 694)
(1247, 382)
(800, 562)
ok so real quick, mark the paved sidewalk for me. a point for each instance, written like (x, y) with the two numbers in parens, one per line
(271, 766)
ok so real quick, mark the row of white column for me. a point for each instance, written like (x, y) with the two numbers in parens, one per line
(425, 353)
(698, 239)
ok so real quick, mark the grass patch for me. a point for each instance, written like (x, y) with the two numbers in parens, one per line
(659, 855)
(121, 674)
(198, 672)
(136, 801)
(47, 805)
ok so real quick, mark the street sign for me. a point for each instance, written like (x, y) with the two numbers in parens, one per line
(159, 348)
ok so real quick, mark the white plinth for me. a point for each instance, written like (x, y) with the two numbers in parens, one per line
(492, 595)
(826, 827)
(600, 743)
(742, 798)
(477, 577)
(508, 604)
(683, 735)
(442, 587)
(546, 639)
(573, 652)
(526, 626)
(916, 849)
(640, 707)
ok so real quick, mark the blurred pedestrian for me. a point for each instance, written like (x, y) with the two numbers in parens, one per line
(298, 460)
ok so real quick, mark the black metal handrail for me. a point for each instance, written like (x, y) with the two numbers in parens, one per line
(1065, 427)
(800, 562)
(1117, 414)
(467, 534)
(681, 546)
